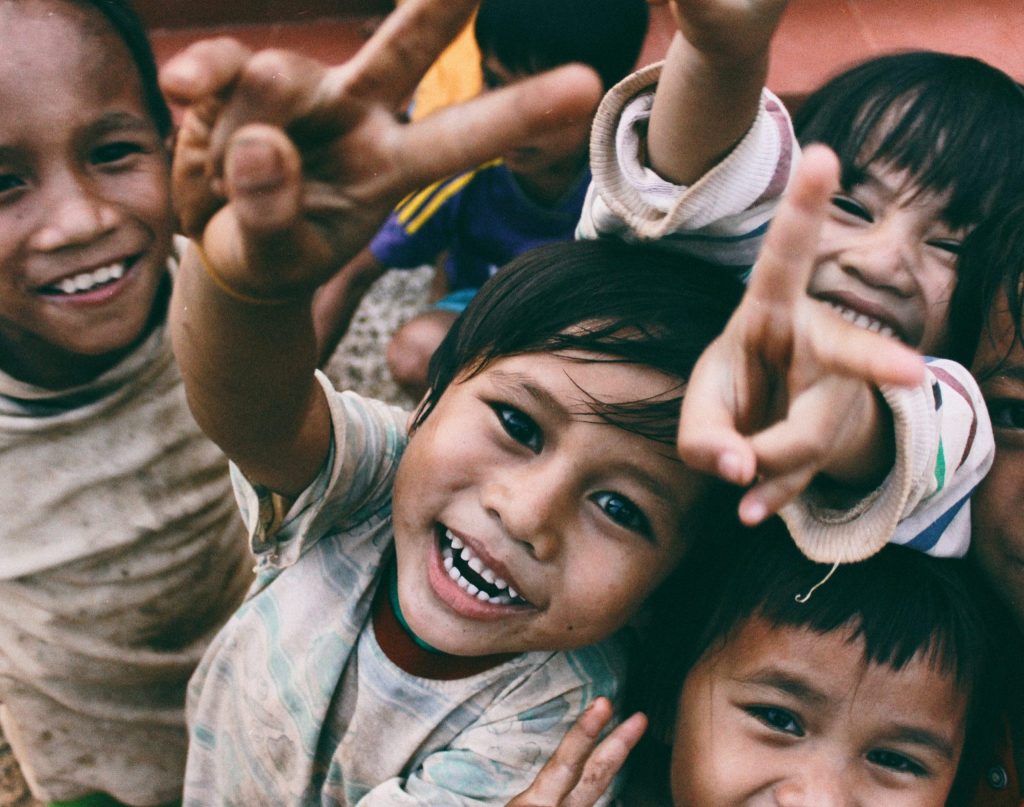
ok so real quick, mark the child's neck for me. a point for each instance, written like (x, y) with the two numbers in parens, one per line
(550, 185)
(410, 654)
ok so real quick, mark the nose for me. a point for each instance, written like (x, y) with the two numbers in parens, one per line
(74, 214)
(533, 501)
(883, 257)
(819, 783)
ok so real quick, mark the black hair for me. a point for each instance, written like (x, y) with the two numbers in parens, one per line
(130, 29)
(902, 603)
(621, 303)
(992, 263)
(528, 36)
(952, 122)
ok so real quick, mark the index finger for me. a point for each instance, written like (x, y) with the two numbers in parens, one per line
(790, 250)
(389, 66)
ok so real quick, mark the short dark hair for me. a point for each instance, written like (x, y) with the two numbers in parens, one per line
(901, 602)
(992, 262)
(528, 36)
(620, 302)
(130, 29)
(952, 122)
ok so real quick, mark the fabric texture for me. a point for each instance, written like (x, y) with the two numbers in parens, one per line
(944, 444)
(482, 218)
(296, 703)
(123, 554)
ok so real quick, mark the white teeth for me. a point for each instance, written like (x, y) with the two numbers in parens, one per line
(862, 320)
(456, 550)
(86, 280)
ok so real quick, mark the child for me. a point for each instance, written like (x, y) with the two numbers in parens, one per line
(532, 508)
(121, 551)
(877, 689)
(886, 259)
(929, 144)
(987, 315)
(481, 219)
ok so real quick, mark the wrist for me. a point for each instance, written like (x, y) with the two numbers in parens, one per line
(230, 289)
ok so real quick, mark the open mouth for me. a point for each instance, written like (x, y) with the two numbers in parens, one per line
(90, 281)
(471, 574)
(863, 320)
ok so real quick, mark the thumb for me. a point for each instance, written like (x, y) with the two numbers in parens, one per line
(262, 173)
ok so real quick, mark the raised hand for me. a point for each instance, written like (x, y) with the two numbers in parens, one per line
(582, 769)
(284, 168)
(710, 86)
(789, 390)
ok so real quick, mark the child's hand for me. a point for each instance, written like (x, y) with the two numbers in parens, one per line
(284, 168)
(789, 390)
(581, 769)
(727, 29)
(709, 90)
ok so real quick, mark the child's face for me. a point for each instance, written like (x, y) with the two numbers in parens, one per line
(85, 213)
(996, 506)
(547, 152)
(564, 521)
(890, 259)
(785, 716)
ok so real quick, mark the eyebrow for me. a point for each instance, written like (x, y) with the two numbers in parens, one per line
(918, 736)
(787, 683)
(119, 121)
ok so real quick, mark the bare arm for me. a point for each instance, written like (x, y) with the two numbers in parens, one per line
(337, 300)
(284, 169)
(710, 86)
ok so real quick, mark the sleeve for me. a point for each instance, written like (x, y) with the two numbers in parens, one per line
(422, 226)
(367, 441)
(944, 448)
(499, 756)
(721, 218)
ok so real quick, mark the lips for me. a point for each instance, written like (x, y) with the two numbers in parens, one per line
(467, 581)
(866, 315)
(473, 576)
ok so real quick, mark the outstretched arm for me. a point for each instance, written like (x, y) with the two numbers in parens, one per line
(710, 86)
(789, 391)
(284, 169)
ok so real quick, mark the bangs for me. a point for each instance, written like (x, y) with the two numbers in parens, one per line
(951, 123)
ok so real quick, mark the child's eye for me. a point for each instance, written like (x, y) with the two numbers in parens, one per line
(519, 426)
(623, 511)
(950, 245)
(9, 182)
(113, 152)
(850, 205)
(1006, 413)
(777, 719)
(896, 762)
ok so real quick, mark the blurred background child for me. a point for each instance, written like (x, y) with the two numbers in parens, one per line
(532, 195)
